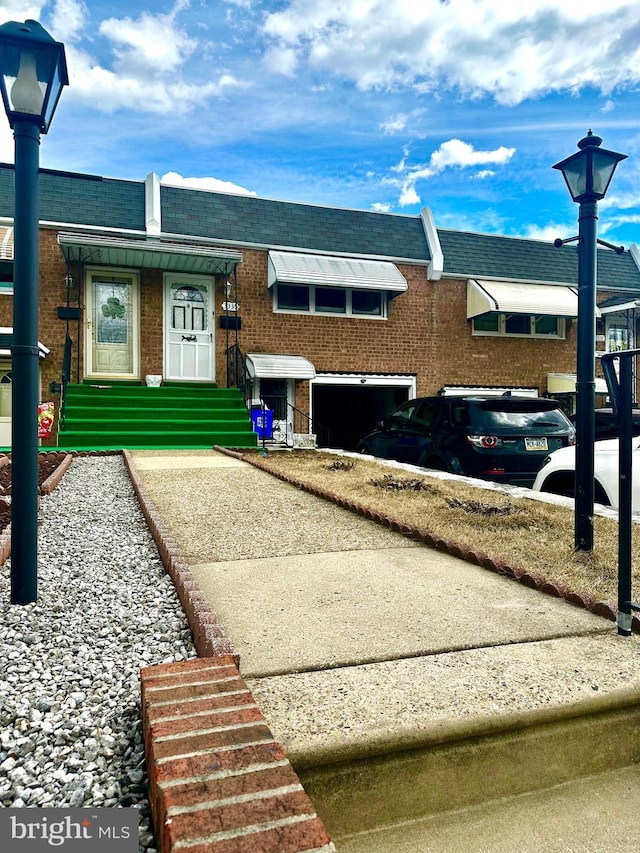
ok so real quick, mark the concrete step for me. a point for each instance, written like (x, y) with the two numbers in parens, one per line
(397, 748)
(594, 814)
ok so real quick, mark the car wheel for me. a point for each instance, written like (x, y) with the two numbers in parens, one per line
(436, 463)
(562, 483)
(600, 496)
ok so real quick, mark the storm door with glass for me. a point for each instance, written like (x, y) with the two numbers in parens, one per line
(189, 328)
(112, 331)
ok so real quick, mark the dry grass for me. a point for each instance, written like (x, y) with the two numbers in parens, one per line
(523, 533)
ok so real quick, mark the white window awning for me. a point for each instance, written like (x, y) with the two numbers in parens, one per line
(509, 297)
(565, 383)
(265, 366)
(6, 243)
(150, 254)
(327, 271)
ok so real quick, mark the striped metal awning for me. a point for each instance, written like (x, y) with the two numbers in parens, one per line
(6, 242)
(510, 297)
(267, 366)
(329, 271)
(149, 254)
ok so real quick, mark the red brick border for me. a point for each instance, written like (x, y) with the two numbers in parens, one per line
(218, 781)
(208, 634)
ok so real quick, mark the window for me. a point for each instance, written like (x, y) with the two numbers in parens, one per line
(6, 277)
(339, 301)
(331, 300)
(617, 337)
(519, 325)
(292, 297)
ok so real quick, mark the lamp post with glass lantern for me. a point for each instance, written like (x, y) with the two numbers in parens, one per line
(33, 71)
(587, 174)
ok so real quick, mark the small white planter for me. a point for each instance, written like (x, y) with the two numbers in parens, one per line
(153, 380)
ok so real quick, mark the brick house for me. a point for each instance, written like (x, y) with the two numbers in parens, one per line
(338, 314)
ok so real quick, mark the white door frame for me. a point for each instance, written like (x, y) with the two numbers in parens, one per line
(107, 274)
(206, 336)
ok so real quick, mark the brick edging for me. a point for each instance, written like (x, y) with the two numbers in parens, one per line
(606, 609)
(218, 781)
(209, 636)
(47, 487)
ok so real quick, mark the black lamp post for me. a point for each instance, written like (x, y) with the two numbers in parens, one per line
(33, 71)
(588, 174)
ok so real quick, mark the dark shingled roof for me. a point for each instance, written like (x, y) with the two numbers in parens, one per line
(241, 220)
(478, 255)
(81, 199)
(265, 222)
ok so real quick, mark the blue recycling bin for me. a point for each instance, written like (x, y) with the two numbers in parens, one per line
(262, 420)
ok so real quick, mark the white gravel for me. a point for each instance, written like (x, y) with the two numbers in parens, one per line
(70, 728)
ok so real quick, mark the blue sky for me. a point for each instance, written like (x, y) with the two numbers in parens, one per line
(392, 105)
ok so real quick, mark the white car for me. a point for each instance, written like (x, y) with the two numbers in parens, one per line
(558, 472)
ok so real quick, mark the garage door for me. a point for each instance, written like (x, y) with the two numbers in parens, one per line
(347, 412)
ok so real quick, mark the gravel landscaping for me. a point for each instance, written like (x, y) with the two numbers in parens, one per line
(70, 730)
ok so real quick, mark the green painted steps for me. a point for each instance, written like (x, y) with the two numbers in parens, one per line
(116, 415)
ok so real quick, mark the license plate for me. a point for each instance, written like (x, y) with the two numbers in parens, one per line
(536, 443)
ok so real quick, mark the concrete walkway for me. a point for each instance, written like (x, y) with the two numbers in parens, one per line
(360, 644)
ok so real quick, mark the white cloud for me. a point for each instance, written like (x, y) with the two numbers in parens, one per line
(69, 20)
(281, 61)
(20, 10)
(380, 207)
(547, 233)
(149, 56)
(484, 173)
(509, 51)
(210, 184)
(7, 145)
(394, 124)
(454, 153)
(152, 44)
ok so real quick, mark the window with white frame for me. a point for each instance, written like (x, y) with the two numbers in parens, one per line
(519, 325)
(336, 301)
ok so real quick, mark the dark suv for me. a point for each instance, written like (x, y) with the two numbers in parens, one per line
(504, 439)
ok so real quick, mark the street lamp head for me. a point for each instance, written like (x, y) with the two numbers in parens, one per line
(588, 172)
(33, 70)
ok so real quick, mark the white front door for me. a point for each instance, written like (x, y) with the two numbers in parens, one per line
(112, 325)
(189, 326)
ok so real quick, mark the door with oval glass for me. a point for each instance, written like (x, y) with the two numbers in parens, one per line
(112, 326)
(189, 328)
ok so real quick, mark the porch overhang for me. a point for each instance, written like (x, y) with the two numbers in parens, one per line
(267, 366)
(330, 271)
(6, 342)
(510, 297)
(150, 254)
(565, 383)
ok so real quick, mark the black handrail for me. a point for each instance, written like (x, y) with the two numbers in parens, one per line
(65, 378)
(309, 426)
(621, 391)
(237, 372)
